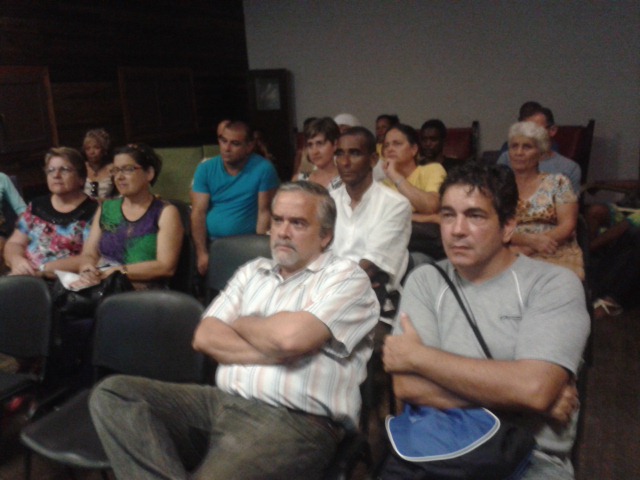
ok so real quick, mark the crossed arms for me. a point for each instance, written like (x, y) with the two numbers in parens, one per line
(429, 376)
(279, 338)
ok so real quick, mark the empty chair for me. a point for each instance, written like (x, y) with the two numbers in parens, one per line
(462, 143)
(227, 254)
(25, 326)
(145, 333)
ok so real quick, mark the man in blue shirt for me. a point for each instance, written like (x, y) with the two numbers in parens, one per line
(232, 192)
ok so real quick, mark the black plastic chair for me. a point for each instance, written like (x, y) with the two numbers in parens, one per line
(227, 254)
(183, 279)
(137, 333)
(25, 331)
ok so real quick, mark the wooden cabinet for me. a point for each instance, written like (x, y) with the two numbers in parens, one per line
(27, 121)
(271, 110)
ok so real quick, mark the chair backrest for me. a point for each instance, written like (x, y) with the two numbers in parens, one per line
(462, 143)
(228, 253)
(25, 316)
(149, 333)
(183, 278)
(574, 142)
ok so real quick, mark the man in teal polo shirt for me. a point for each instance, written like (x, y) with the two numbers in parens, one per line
(232, 192)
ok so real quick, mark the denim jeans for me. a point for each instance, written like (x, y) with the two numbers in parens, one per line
(157, 430)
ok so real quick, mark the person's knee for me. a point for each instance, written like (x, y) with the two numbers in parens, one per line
(112, 387)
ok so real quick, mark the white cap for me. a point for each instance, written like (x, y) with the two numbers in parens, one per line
(347, 119)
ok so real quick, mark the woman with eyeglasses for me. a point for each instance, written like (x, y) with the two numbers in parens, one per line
(50, 233)
(136, 234)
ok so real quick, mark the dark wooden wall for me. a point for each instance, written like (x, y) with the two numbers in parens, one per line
(84, 42)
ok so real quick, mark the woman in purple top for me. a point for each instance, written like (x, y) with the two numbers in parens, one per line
(138, 234)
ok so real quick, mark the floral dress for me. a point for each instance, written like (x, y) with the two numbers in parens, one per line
(538, 214)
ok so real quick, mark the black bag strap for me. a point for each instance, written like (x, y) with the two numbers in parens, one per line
(474, 327)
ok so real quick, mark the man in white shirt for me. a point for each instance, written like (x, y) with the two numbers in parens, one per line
(291, 336)
(374, 222)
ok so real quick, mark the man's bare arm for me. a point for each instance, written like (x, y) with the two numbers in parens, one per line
(264, 211)
(284, 335)
(199, 208)
(221, 342)
(416, 390)
(511, 385)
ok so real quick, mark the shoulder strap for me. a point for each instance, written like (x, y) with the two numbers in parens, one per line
(473, 325)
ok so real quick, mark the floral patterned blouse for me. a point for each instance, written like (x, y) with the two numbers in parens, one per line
(538, 214)
(54, 235)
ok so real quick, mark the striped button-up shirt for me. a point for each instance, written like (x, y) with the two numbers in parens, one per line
(326, 382)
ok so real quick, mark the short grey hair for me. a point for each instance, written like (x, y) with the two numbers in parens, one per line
(533, 131)
(327, 212)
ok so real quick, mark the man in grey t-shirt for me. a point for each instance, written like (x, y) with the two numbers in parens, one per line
(532, 316)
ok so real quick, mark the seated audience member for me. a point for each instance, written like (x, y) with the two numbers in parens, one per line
(418, 183)
(432, 136)
(374, 222)
(222, 124)
(383, 123)
(551, 161)
(531, 314)
(345, 121)
(137, 233)
(291, 337)
(321, 138)
(615, 255)
(526, 111)
(547, 207)
(50, 233)
(231, 192)
(262, 146)
(12, 203)
(96, 147)
(301, 163)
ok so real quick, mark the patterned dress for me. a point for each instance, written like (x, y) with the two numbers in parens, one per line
(54, 235)
(538, 214)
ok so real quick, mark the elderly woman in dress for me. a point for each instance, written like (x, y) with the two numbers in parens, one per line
(547, 207)
(137, 234)
(50, 233)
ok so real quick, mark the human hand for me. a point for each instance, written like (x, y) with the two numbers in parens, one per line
(202, 263)
(542, 243)
(89, 275)
(565, 405)
(389, 169)
(21, 266)
(398, 350)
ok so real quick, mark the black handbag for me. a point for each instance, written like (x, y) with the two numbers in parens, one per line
(84, 303)
(457, 443)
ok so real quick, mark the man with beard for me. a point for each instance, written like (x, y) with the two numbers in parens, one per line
(231, 192)
(291, 336)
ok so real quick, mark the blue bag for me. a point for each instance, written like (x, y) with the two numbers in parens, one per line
(456, 444)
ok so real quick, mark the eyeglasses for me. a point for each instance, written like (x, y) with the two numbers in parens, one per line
(126, 170)
(64, 171)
